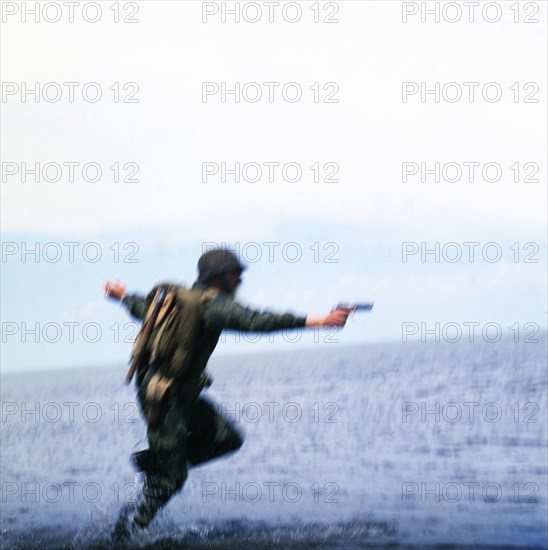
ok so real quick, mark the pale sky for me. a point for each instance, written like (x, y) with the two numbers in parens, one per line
(363, 140)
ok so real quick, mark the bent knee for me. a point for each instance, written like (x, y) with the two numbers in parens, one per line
(233, 442)
(237, 442)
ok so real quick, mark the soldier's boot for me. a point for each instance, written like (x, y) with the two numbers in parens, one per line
(158, 489)
(125, 527)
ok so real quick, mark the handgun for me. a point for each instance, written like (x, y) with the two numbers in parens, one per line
(368, 306)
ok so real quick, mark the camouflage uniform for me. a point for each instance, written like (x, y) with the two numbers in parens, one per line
(189, 430)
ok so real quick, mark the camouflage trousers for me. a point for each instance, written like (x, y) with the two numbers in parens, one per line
(186, 434)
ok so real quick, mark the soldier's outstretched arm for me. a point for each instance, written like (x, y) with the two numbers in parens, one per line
(135, 303)
(221, 313)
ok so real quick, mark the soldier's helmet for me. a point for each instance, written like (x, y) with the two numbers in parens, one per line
(216, 262)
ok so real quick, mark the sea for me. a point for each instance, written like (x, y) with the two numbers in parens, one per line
(388, 445)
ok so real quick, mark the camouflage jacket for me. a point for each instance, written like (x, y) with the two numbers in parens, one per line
(220, 313)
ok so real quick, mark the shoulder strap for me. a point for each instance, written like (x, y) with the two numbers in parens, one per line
(148, 324)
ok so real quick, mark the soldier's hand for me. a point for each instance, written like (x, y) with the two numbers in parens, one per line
(337, 318)
(115, 289)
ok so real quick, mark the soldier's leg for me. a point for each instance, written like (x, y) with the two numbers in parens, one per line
(211, 434)
(165, 462)
(160, 485)
(164, 476)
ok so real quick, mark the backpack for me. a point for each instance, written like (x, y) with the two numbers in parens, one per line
(167, 339)
(169, 332)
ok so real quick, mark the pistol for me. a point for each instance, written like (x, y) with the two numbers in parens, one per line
(368, 306)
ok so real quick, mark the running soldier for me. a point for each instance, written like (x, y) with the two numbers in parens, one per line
(186, 430)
